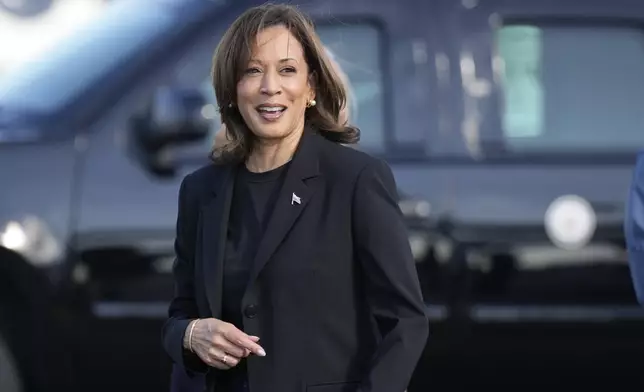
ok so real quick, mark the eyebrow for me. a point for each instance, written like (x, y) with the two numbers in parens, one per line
(281, 60)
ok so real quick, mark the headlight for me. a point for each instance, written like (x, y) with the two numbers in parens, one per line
(14, 237)
(31, 238)
(570, 222)
(415, 208)
(419, 244)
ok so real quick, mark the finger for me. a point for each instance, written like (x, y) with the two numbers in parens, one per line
(254, 339)
(218, 365)
(221, 360)
(214, 362)
(230, 361)
(227, 346)
(242, 340)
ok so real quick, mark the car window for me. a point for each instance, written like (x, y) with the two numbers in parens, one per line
(572, 88)
(357, 49)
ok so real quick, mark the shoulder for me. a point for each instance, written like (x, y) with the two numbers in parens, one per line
(350, 164)
(202, 181)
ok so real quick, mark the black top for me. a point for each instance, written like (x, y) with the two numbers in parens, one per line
(254, 197)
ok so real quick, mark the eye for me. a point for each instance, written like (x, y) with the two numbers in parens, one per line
(288, 69)
(252, 71)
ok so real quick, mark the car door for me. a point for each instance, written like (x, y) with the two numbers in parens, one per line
(549, 99)
(552, 87)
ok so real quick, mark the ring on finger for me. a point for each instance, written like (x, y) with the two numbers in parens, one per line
(224, 359)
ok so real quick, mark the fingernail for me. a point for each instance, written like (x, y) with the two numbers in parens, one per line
(261, 352)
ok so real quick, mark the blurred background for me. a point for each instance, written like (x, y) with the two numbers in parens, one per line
(512, 128)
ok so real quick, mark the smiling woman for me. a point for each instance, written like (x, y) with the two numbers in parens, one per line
(221, 137)
(298, 78)
(289, 246)
(283, 94)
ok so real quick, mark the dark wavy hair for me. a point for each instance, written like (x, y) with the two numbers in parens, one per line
(232, 56)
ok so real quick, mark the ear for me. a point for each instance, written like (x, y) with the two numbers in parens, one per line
(312, 86)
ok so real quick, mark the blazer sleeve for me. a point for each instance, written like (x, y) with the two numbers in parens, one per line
(634, 228)
(183, 307)
(392, 286)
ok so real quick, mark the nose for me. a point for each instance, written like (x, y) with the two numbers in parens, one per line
(270, 84)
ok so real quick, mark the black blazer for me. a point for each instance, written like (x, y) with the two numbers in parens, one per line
(333, 296)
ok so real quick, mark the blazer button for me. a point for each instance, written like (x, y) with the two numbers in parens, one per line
(250, 311)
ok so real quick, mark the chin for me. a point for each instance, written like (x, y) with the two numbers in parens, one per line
(271, 131)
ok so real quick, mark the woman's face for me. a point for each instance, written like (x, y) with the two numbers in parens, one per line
(275, 88)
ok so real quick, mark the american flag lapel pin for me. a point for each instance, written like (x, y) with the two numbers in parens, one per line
(295, 199)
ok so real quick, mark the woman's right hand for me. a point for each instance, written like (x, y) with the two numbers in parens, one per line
(221, 345)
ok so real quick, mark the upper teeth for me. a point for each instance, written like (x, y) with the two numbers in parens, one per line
(271, 109)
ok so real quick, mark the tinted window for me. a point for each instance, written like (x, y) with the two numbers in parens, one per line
(357, 49)
(575, 88)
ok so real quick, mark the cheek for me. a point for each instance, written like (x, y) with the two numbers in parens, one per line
(245, 99)
(245, 90)
(298, 89)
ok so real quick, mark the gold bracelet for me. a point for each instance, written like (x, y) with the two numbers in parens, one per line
(192, 327)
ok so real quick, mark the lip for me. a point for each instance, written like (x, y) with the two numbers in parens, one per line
(270, 115)
(269, 106)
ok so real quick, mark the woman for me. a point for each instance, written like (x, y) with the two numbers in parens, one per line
(180, 382)
(293, 268)
(221, 137)
(634, 228)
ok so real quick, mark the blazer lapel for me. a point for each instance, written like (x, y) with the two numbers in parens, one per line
(215, 226)
(292, 199)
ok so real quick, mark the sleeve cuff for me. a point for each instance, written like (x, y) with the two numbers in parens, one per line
(188, 361)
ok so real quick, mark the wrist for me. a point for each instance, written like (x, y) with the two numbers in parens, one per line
(187, 336)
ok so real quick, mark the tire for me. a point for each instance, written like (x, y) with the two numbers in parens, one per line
(10, 378)
(33, 345)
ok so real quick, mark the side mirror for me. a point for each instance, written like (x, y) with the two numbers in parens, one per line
(175, 116)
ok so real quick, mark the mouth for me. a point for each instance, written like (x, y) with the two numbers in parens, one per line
(271, 112)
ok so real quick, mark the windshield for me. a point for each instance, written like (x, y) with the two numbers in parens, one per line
(572, 88)
(58, 75)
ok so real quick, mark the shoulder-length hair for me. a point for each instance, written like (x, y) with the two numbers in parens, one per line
(232, 56)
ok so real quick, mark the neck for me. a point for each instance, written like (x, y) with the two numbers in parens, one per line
(271, 154)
